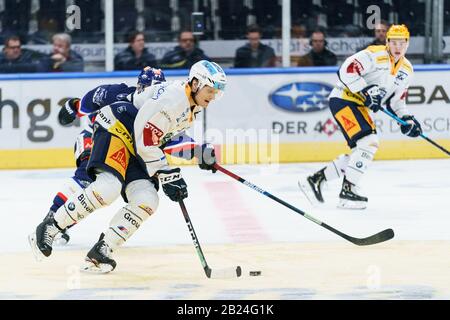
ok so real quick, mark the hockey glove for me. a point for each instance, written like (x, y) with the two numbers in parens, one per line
(68, 112)
(412, 127)
(173, 184)
(207, 158)
(373, 97)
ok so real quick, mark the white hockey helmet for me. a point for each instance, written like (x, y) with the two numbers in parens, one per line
(209, 74)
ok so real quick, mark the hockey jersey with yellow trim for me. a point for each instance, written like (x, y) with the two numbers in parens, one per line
(374, 66)
(169, 111)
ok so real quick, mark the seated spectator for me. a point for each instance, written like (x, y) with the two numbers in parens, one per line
(64, 59)
(14, 59)
(254, 54)
(185, 54)
(135, 56)
(380, 31)
(298, 31)
(319, 55)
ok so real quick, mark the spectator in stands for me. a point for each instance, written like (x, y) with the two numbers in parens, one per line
(15, 59)
(380, 31)
(319, 55)
(64, 59)
(185, 54)
(135, 56)
(254, 54)
(298, 31)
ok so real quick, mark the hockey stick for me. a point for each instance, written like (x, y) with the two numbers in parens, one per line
(376, 238)
(210, 273)
(400, 121)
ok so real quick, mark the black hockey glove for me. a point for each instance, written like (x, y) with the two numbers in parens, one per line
(373, 97)
(68, 112)
(207, 158)
(173, 184)
(412, 127)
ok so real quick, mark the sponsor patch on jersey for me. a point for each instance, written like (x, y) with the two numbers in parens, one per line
(404, 95)
(355, 67)
(382, 59)
(152, 135)
(348, 121)
(301, 96)
(118, 156)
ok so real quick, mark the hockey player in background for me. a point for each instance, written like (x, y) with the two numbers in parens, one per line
(377, 76)
(127, 159)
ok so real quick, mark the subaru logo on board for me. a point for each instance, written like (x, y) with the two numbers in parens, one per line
(301, 96)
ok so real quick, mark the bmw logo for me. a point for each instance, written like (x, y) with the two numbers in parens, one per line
(301, 96)
(359, 164)
(71, 206)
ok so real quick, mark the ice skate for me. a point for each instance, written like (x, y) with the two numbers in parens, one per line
(311, 187)
(41, 241)
(99, 258)
(349, 199)
(61, 238)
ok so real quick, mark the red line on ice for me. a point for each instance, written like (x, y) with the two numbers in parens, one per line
(239, 221)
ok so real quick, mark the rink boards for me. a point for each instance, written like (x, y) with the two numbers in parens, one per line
(266, 116)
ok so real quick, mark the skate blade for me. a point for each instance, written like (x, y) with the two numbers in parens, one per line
(90, 267)
(305, 188)
(352, 205)
(36, 252)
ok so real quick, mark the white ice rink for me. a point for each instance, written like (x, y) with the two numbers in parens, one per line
(236, 225)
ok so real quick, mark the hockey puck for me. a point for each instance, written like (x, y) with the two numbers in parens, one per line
(254, 273)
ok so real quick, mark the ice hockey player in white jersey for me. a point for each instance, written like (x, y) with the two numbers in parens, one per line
(127, 159)
(375, 77)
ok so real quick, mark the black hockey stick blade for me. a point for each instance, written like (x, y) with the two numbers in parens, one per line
(381, 236)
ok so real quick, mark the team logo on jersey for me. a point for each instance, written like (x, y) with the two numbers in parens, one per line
(71, 206)
(401, 76)
(355, 67)
(99, 96)
(152, 135)
(301, 96)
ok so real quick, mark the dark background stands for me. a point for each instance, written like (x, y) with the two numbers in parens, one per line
(319, 55)
(15, 59)
(185, 54)
(135, 56)
(254, 54)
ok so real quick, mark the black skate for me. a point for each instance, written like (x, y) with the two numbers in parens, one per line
(312, 186)
(42, 240)
(63, 237)
(99, 258)
(349, 199)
